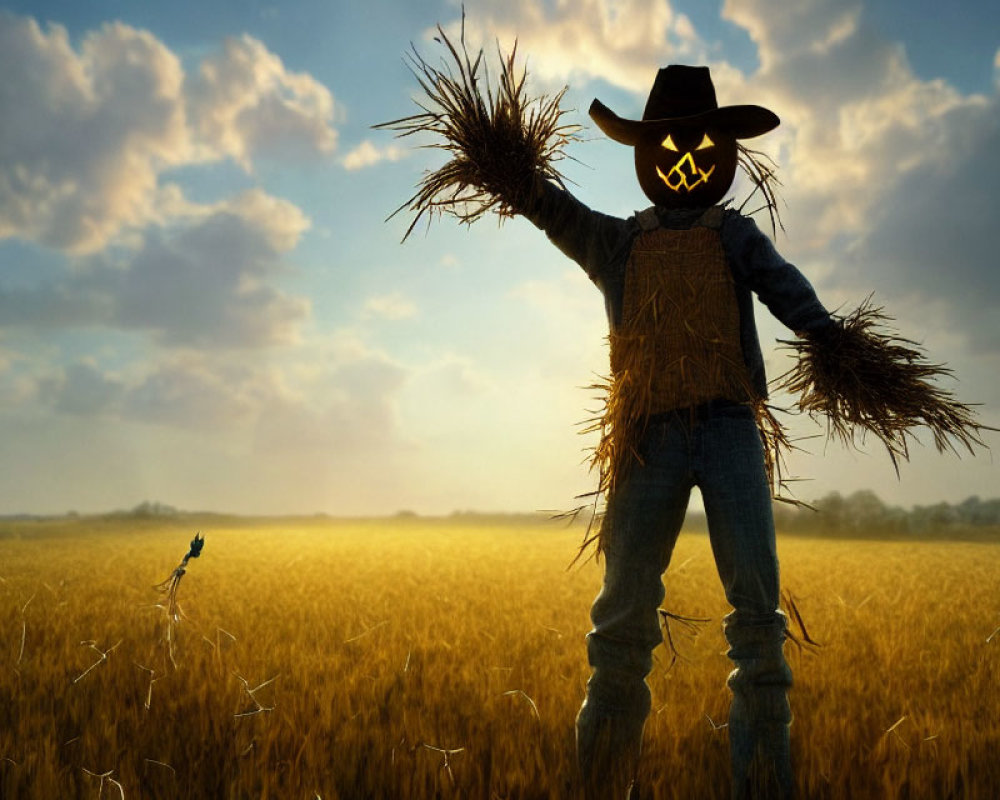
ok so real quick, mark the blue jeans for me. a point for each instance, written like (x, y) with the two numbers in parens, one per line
(719, 451)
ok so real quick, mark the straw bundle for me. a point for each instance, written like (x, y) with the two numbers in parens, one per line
(498, 142)
(867, 380)
(621, 424)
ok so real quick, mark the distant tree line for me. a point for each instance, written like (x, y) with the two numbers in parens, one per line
(151, 510)
(863, 514)
(858, 515)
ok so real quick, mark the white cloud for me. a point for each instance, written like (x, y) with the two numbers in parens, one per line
(367, 154)
(806, 26)
(205, 282)
(619, 41)
(87, 132)
(887, 175)
(337, 399)
(280, 222)
(855, 118)
(84, 390)
(189, 390)
(245, 103)
(390, 306)
(452, 376)
(194, 391)
(344, 408)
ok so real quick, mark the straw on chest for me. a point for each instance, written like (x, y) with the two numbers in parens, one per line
(680, 326)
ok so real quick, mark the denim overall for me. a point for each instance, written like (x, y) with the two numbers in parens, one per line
(682, 330)
(711, 444)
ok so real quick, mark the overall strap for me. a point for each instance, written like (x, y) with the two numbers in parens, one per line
(712, 218)
(648, 219)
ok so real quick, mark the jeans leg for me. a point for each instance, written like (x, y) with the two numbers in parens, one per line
(760, 715)
(644, 517)
(741, 527)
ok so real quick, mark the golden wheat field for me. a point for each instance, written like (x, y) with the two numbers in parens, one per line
(416, 658)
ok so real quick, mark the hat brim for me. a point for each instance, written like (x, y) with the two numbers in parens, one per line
(741, 122)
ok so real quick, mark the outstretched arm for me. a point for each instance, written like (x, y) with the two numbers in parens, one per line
(590, 238)
(785, 291)
(860, 375)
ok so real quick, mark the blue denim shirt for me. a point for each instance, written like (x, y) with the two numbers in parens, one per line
(601, 244)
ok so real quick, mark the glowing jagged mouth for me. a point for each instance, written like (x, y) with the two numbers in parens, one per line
(677, 178)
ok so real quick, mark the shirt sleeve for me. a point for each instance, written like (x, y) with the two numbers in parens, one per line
(592, 239)
(785, 291)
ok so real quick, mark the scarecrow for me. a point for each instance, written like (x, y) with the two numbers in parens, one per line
(685, 402)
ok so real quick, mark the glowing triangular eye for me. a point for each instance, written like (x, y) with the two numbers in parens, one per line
(669, 143)
(705, 143)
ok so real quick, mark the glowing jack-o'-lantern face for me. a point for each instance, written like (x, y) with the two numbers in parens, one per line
(685, 166)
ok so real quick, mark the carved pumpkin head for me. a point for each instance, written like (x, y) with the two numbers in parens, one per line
(685, 145)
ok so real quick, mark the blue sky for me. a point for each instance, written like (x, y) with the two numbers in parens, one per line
(201, 302)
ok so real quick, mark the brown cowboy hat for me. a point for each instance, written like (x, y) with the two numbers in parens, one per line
(684, 94)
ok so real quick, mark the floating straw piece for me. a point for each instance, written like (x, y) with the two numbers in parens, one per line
(763, 173)
(102, 656)
(802, 640)
(498, 142)
(690, 625)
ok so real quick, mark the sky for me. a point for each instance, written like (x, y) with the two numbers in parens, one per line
(202, 302)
